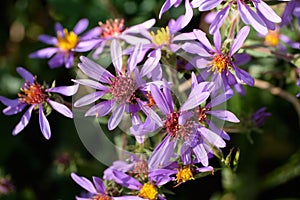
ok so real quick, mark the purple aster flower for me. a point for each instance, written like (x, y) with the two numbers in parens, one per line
(259, 116)
(221, 62)
(292, 9)
(6, 186)
(261, 18)
(123, 86)
(274, 38)
(37, 97)
(65, 45)
(97, 189)
(186, 18)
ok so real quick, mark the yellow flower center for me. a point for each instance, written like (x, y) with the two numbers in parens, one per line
(32, 93)
(161, 37)
(220, 63)
(272, 38)
(67, 40)
(148, 191)
(184, 175)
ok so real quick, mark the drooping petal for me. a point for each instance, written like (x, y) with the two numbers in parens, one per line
(44, 124)
(81, 26)
(239, 40)
(101, 109)
(116, 54)
(84, 183)
(116, 116)
(64, 90)
(24, 121)
(64, 110)
(25, 74)
(44, 53)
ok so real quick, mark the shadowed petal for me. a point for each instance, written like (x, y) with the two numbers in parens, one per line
(212, 137)
(100, 187)
(44, 124)
(64, 110)
(24, 121)
(57, 60)
(160, 100)
(84, 183)
(201, 154)
(14, 110)
(81, 26)
(268, 12)
(126, 180)
(244, 76)
(89, 98)
(101, 109)
(116, 116)
(116, 55)
(201, 36)
(9, 102)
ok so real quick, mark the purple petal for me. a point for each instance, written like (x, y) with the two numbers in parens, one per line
(91, 83)
(87, 45)
(201, 154)
(116, 116)
(160, 100)
(212, 137)
(195, 99)
(128, 198)
(44, 53)
(166, 6)
(220, 98)
(194, 48)
(94, 70)
(81, 26)
(26, 75)
(69, 60)
(58, 27)
(187, 16)
(84, 183)
(219, 20)
(64, 90)
(48, 39)
(201, 36)
(268, 12)
(57, 60)
(116, 54)
(126, 180)
(208, 5)
(217, 40)
(239, 40)
(89, 98)
(9, 102)
(136, 28)
(14, 110)
(99, 185)
(133, 40)
(101, 109)
(64, 110)
(224, 115)
(44, 124)
(24, 121)
(151, 62)
(241, 58)
(244, 76)
(135, 57)
(150, 113)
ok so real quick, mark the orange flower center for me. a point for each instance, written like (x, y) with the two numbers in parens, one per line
(112, 28)
(220, 63)
(184, 175)
(32, 93)
(272, 38)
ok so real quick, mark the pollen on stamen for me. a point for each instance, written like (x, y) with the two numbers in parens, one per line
(32, 93)
(123, 89)
(161, 37)
(101, 197)
(172, 124)
(151, 101)
(184, 175)
(220, 63)
(67, 40)
(148, 191)
(112, 28)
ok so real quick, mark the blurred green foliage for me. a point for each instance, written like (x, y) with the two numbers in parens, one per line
(269, 162)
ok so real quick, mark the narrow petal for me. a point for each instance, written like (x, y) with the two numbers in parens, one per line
(24, 121)
(57, 61)
(239, 40)
(195, 99)
(268, 12)
(219, 20)
(94, 70)
(62, 109)
(166, 6)
(217, 40)
(91, 83)
(81, 26)
(116, 54)
(160, 100)
(84, 183)
(48, 39)
(135, 57)
(101, 109)
(89, 98)
(224, 115)
(126, 180)
(9, 102)
(195, 48)
(151, 62)
(244, 76)
(220, 98)
(150, 113)
(25, 74)
(44, 124)
(209, 5)
(99, 185)
(201, 154)
(212, 137)
(64, 90)
(44, 53)
(14, 110)
(201, 36)
(136, 28)
(116, 116)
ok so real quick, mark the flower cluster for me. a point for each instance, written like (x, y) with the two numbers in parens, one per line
(142, 82)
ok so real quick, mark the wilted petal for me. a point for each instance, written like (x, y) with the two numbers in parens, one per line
(116, 116)
(44, 124)
(84, 183)
(64, 110)
(24, 121)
